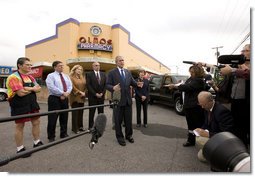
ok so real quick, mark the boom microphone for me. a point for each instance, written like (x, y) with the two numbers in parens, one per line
(98, 129)
(189, 62)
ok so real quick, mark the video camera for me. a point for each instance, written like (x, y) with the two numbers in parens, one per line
(233, 60)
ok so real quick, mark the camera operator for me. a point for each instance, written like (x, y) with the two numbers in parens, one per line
(240, 96)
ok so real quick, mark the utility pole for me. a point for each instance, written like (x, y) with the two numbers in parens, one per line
(217, 52)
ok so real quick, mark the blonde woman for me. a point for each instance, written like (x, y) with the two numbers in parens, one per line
(77, 97)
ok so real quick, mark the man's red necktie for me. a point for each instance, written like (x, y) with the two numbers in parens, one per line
(63, 82)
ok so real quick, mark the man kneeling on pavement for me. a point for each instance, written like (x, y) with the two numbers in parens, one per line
(217, 119)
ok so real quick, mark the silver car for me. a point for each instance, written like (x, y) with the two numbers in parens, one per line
(3, 94)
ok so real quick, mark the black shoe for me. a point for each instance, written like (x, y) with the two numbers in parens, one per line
(51, 140)
(64, 136)
(130, 139)
(122, 142)
(145, 125)
(138, 125)
(187, 144)
(22, 150)
(38, 144)
(81, 129)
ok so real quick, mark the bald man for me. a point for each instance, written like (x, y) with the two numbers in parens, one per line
(217, 119)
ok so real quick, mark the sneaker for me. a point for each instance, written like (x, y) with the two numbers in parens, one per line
(38, 144)
(21, 150)
(25, 155)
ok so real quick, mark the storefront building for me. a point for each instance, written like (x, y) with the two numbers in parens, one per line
(83, 43)
(5, 71)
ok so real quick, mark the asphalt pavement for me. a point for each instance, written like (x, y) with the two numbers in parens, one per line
(157, 149)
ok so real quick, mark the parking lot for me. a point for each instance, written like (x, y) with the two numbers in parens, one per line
(157, 149)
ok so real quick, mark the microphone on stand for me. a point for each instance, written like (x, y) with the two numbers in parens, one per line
(98, 129)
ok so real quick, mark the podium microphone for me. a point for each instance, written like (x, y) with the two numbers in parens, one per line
(98, 129)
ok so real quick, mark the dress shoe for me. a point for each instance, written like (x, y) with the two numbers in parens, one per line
(122, 142)
(64, 136)
(81, 129)
(38, 144)
(51, 140)
(145, 125)
(130, 139)
(187, 144)
(138, 125)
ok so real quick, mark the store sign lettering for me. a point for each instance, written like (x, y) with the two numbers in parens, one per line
(36, 72)
(92, 46)
(95, 44)
(5, 70)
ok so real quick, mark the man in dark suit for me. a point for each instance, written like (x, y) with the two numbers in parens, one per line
(217, 119)
(120, 80)
(96, 85)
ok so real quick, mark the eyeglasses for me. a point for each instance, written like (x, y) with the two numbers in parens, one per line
(28, 65)
(96, 65)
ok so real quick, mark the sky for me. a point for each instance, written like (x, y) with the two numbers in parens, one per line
(169, 30)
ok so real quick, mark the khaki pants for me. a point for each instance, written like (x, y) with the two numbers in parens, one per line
(200, 142)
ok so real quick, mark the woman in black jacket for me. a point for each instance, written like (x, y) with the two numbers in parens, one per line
(194, 113)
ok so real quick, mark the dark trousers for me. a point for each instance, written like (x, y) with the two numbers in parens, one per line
(195, 119)
(139, 104)
(55, 103)
(92, 111)
(240, 110)
(123, 113)
(77, 117)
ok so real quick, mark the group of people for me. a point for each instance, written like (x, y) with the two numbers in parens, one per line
(72, 89)
(205, 117)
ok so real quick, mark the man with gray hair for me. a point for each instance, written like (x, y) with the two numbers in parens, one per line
(217, 119)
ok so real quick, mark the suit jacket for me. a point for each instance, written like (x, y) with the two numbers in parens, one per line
(144, 91)
(94, 87)
(114, 78)
(221, 120)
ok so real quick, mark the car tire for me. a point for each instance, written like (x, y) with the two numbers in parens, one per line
(3, 96)
(178, 107)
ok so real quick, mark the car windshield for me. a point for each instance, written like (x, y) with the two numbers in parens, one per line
(178, 79)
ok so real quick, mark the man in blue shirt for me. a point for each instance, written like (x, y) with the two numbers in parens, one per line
(59, 86)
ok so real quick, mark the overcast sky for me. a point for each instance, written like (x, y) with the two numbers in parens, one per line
(169, 30)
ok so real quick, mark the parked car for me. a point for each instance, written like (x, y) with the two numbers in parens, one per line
(3, 94)
(165, 95)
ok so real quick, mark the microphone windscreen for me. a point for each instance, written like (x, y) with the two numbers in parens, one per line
(231, 59)
(116, 96)
(100, 123)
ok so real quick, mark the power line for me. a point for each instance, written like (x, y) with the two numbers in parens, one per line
(245, 38)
